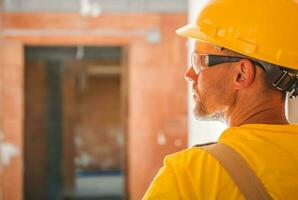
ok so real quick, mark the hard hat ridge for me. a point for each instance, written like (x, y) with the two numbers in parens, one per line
(265, 30)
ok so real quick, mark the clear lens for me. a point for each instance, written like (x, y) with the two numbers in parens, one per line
(199, 62)
(194, 62)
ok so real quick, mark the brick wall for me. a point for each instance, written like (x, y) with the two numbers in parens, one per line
(12, 113)
(157, 104)
(156, 91)
(92, 134)
(98, 134)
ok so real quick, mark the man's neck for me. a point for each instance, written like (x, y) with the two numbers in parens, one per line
(266, 111)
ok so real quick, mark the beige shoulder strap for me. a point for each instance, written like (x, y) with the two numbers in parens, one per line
(239, 170)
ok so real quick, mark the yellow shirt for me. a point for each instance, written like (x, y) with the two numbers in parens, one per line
(270, 150)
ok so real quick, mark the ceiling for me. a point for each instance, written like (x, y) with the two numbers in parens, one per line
(95, 6)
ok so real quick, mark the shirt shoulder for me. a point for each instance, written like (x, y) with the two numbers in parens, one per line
(192, 174)
(256, 143)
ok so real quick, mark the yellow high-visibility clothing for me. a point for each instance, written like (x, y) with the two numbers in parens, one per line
(270, 150)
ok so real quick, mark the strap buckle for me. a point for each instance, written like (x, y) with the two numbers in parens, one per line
(282, 77)
(287, 82)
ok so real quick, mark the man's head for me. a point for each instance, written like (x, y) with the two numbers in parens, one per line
(219, 88)
(265, 33)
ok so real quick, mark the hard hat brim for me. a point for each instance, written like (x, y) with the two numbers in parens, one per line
(191, 31)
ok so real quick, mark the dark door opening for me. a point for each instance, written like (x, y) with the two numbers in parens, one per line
(74, 126)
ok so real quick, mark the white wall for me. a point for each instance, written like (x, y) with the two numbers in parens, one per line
(292, 110)
(199, 131)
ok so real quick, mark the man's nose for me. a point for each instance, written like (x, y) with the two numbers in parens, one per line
(190, 75)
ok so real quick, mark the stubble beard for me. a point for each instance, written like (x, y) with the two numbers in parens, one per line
(201, 112)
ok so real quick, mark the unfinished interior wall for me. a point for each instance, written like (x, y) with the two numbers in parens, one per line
(156, 89)
(98, 133)
(97, 130)
(92, 138)
(99, 136)
(42, 138)
(1, 133)
(157, 103)
(12, 119)
(69, 118)
(35, 138)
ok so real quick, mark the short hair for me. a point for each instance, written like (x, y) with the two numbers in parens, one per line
(267, 85)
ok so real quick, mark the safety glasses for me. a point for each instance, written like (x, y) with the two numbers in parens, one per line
(203, 61)
(280, 77)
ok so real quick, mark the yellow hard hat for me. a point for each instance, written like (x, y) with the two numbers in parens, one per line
(262, 29)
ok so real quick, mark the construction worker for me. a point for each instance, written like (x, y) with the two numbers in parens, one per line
(245, 61)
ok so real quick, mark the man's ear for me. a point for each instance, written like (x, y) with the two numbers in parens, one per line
(244, 74)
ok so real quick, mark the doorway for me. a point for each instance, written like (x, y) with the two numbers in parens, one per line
(74, 122)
